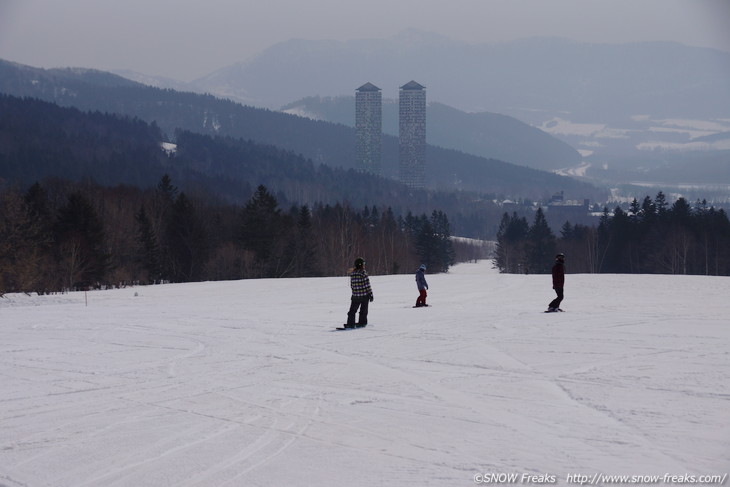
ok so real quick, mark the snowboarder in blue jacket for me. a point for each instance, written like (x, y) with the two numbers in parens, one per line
(422, 286)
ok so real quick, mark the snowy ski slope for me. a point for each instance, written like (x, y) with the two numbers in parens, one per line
(244, 383)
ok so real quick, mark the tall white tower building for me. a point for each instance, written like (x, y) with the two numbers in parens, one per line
(412, 134)
(368, 127)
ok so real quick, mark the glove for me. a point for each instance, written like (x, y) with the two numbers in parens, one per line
(371, 298)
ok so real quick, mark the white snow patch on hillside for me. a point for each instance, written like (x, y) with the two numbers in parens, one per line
(169, 147)
(578, 171)
(699, 127)
(301, 111)
(559, 126)
(243, 383)
(653, 145)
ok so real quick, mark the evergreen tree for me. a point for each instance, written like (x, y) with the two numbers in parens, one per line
(682, 235)
(510, 254)
(39, 269)
(426, 245)
(618, 257)
(681, 211)
(23, 262)
(187, 240)
(159, 218)
(567, 231)
(579, 242)
(302, 247)
(540, 245)
(148, 246)
(80, 241)
(604, 239)
(432, 240)
(443, 246)
(648, 209)
(262, 229)
(719, 245)
(660, 203)
(635, 209)
(166, 189)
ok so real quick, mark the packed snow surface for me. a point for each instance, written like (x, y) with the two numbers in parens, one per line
(244, 383)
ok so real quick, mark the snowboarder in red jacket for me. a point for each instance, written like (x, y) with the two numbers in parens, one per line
(558, 282)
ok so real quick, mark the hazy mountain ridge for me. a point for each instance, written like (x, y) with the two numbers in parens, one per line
(626, 107)
(15, 77)
(539, 74)
(323, 142)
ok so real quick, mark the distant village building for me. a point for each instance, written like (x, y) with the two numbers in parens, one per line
(412, 134)
(368, 127)
(559, 210)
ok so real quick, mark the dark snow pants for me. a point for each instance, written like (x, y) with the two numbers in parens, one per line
(355, 303)
(555, 303)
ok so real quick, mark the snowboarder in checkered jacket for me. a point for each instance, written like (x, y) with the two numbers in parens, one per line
(362, 295)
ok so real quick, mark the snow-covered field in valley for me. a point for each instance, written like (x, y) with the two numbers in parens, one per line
(245, 384)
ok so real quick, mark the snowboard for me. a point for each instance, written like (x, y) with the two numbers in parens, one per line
(424, 306)
(554, 311)
(342, 328)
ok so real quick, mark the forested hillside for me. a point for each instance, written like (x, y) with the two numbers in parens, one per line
(653, 237)
(62, 235)
(40, 140)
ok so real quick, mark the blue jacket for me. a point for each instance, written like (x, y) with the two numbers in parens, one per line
(421, 280)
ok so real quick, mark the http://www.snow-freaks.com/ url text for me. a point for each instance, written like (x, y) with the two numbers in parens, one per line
(599, 479)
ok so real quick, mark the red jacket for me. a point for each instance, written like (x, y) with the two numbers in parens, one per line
(558, 275)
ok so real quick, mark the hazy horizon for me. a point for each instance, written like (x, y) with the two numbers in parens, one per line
(186, 40)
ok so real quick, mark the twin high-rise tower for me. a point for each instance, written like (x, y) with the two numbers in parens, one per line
(411, 131)
(368, 127)
(412, 134)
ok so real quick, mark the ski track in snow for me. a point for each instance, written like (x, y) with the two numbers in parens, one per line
(243, 383)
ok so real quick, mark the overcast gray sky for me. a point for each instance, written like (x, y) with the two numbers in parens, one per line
(187, 39)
